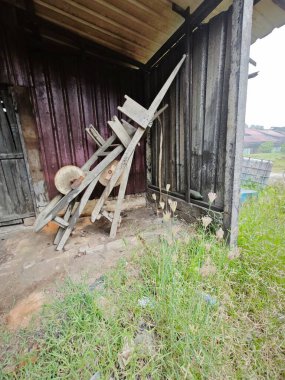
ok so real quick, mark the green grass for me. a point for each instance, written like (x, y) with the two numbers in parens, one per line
(228, 325)
(278, 160)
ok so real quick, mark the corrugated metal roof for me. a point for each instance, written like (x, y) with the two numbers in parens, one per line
(260, 136)
(138, 28)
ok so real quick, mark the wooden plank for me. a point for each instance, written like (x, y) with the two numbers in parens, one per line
(154, 60)
(129, 127)
(221, 157)
(198, 94)
(7, 142)
(213, 102)
(117, 173)
(11, 119)
(7, 156)
(91, 31)
(66, 217)
(6, 202)
(120, 131)
(96, 135)
(181, 142)
(240, 43)
(17, 187)
(108, 215)
(122, 190)
(75, 216)
(11, 222)
(187, 109)
(60, 221)
(65, 200)
(101, 20)
(158, 99)
(204, 9)
(121, 17)
(136, 112)
(95, 156)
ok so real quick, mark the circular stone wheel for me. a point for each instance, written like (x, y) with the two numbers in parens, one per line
(65, 176)
(107, 174)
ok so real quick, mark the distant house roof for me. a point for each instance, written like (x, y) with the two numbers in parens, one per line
(269, 132)
(254, 136)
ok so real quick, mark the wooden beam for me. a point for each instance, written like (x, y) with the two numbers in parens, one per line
(194, 20)
(91, 31)
(203, 11)
(47, 27)
(180, 32)
(185, 13)
(240, 46)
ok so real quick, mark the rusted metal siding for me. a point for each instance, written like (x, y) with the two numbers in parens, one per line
(195, 149)
(68, 91)
(69, 94)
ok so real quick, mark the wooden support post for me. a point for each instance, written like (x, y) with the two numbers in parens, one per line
(240, 45)
(120, 199)
(187, 108)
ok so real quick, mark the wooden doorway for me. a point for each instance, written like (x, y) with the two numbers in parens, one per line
(16, 201)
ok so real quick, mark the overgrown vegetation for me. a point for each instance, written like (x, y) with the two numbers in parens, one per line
(186, 309)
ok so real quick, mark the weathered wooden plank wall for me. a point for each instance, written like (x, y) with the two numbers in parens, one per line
(209, 69)
(68, 90)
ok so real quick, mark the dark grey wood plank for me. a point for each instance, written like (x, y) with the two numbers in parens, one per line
(17, 187)
(220, 171)
(215, 67)
(199, 63)
(6, 204)
(7, 143)
(11, 118)
(240, 45)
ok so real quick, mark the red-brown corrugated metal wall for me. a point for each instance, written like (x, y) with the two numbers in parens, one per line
(69, 91)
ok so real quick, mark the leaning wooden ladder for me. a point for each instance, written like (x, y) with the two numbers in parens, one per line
(129, 138)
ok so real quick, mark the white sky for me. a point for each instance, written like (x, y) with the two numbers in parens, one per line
(266, 92)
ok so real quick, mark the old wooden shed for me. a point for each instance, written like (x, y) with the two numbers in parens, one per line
(66, 64)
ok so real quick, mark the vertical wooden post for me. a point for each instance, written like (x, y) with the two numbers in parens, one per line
(187, 108)
(240, 45)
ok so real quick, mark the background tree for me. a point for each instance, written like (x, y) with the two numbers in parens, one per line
(266, 147)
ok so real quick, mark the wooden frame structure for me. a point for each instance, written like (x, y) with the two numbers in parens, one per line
(129, 137)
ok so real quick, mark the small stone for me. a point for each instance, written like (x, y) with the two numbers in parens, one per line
(145, 301)
(67, 247)
(83, 249)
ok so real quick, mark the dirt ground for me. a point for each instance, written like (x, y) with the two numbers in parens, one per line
(29, 262)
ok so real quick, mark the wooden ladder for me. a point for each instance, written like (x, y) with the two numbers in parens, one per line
(129, 138)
